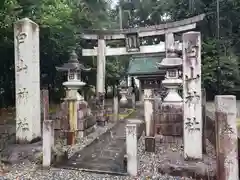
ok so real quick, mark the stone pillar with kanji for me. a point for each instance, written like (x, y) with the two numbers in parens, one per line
(27, 80)
(192, 96)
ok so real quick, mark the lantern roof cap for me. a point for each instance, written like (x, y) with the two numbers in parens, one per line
(172, 61)
(72, 64)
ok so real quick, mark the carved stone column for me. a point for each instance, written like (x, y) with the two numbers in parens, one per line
(192, 95)
(27, 73)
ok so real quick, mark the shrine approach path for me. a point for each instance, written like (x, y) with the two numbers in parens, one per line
(105, 154)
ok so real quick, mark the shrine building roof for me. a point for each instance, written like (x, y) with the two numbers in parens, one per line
(145, 65)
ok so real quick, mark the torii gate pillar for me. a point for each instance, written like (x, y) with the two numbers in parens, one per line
(101, 66)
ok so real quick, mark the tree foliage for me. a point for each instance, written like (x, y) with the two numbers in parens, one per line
(61, 22)
(225, 48)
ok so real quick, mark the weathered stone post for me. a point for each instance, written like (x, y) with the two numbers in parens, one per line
(134, 99)
(204, 101)
(132, 147)
(45, 103)
(226, 137)
(27, 75)
(48, 142)
(192, 117)
(148, 113)
(148, 109)
(140, 92)
(115, 105)
(133, 92)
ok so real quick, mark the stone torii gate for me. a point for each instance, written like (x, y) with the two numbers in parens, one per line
(131, 37)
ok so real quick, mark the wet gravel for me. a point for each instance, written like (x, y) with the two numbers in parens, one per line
(148, 164)
(147, 167)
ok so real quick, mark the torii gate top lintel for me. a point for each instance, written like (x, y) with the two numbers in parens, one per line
(173, 27)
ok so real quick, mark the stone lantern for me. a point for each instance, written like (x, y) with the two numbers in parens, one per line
(123, 92)
(74, 82)
(173, 65)
(73, 99)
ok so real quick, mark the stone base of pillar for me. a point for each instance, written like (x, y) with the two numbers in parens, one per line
(101, 117)
(149, 144)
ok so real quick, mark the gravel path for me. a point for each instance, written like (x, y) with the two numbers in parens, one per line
(148, 166)
(147, 170)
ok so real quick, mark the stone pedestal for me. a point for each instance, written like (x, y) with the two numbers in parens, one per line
(27, 80)
(227, 138)
(72, 109)
(169, 121)
(85, 120)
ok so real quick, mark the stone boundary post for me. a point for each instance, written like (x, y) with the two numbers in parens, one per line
(115, 108)
(132, 146)
(148, 109)
(45, 103)
(204, 120)
(48, 142)
(226, 137)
